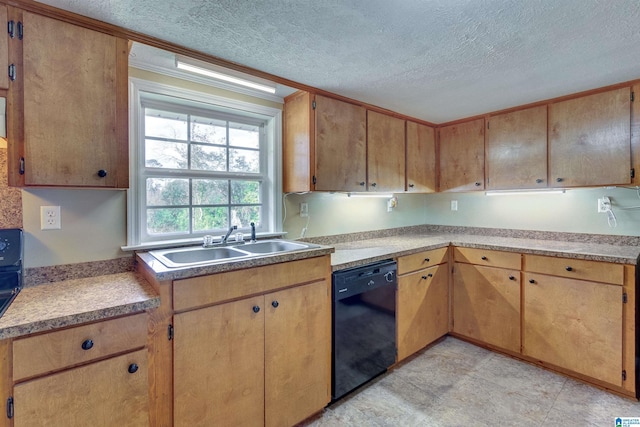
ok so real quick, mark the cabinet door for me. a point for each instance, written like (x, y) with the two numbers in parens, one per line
(421, 158)
(341, 146)
(4, 51)
(574, 324)
(517, 149)
(385, 153)
(75, 105)
(486, 305)
(590, 140)
(100, 394)
(219, 365)
(423, 309)
(297, 353)
(298, 154)
(462, 156)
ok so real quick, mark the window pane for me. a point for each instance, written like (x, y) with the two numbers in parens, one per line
(167, 192)
(165, 124)
(167, 220)
(245, 192)
(246, 136)
(243, 216)
(210, 131)
(208, 158)
(205, 219)
(168, 155)
(244, 161)
(210, 192)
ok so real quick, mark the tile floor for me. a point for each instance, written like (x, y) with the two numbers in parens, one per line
(454, 383)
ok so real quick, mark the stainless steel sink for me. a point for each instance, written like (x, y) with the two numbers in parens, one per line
(185, 257)
(195, 256)
(274, 246)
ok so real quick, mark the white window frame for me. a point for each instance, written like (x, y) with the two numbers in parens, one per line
(272, 200)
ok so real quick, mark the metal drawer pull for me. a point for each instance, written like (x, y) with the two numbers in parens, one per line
(569, 268)
(484, 258)
(133, 368)
(87, 345)
(512, 277)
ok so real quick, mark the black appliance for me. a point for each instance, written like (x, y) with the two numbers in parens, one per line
(364, 325)
(637, 298)
(10, 266)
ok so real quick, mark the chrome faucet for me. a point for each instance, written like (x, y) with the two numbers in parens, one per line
(226, 236)
(253, 232)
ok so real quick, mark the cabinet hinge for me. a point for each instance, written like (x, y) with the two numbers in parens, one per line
(624, 298)
(633, 172)
(21, 170)
(632, 96)
(314, 180)
(487, 125)
(10, 407)
(170, 332)
(624, 375)
(11, 28)
(20, 30)
(12, 72)
(313, 104)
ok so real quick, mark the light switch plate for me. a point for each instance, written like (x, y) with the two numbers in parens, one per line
(454, 205)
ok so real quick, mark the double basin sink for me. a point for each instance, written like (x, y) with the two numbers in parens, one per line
(185, 257)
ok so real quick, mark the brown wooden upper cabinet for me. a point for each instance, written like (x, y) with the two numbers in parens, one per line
(421, 158)
(462, 156)
(68, 106)
(590, 140)
(4, 49)
(324, 144)
(385, 153)
(517, 149)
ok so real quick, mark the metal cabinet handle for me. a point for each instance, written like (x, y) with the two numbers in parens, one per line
(538, 181)
(411, 185)
(478, 184)
(532, 281)
(361, 183)
(568, 268)
(275, 304)
(511, 277)
(427, 260)
(484, 258)
(559, 179)
(133, 368)
(373, 184)
(256, 308)
(87, 345)
(102, 173)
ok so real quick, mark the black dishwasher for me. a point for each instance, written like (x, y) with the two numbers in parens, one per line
(364, 325)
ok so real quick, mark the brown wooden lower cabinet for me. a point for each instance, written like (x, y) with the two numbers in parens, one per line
(107, 393)
(258, 361)
(486, 305)
(422, 308)
(574, 324)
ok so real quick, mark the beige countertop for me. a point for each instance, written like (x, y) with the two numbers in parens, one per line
(360, 252)
(71, 302)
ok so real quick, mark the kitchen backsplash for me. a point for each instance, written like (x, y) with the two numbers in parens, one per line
(10, 198)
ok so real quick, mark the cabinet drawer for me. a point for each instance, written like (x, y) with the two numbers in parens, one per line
(488, 257)
(215, 288)
(576, 268)
(414, 262)
(52, 351)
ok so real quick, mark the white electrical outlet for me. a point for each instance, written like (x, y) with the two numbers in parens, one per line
(50, 218)
(604, 204)
(304, 210)
(454, 205)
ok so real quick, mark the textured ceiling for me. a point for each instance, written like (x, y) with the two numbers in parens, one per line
(436, 60)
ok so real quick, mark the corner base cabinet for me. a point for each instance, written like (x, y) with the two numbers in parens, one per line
(252, 347)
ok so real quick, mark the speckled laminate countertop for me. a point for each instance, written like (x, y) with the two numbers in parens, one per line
(71, 302)
(357, 253)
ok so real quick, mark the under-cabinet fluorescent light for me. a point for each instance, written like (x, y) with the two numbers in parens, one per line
(385, 195)
(523, 192)
(224, 74)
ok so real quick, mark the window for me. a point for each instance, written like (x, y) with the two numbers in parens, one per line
(202, 164)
